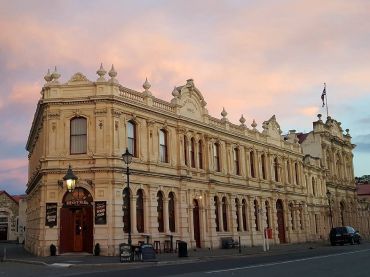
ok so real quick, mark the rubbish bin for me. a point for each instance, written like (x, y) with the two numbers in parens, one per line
(183, 249)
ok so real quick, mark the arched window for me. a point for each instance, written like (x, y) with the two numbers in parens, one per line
(217, 213)
(288, 172)
(237, 205)
(216, 157)
(267, 205)
(160, 212)
(163, 141)
(186, 150)
(171, 212)
(200, 154)
(256, 217)
(78, 134)
(263, 165)
(131, 138)
(125, 208)
(313, 186)
(276, 169)
(236, 161)
(244, 212)
(296, 173)
(192, 152)
(224, 213)
(251, 161)
(140, 211)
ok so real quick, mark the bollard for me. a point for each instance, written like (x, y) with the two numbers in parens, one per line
(240, 246)
(4, 257)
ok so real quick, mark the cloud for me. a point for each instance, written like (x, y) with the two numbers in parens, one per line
(14, 175)
(362, 143)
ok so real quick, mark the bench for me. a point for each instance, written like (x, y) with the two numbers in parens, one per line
(228, 243)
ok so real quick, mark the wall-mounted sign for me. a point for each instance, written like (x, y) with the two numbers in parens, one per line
(51, 214)
(100, 212)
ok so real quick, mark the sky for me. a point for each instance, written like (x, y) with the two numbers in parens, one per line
(256, 58)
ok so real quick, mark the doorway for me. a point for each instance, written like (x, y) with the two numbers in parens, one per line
(280, 221)
(76, 222)
(3, 232)
(196, 223)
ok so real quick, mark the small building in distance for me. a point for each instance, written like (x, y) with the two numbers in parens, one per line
(12, 218)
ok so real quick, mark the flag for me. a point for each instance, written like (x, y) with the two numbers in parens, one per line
(323, 96)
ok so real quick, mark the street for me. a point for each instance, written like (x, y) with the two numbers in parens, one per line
(348, 260)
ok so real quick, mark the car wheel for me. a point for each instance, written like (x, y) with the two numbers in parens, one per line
(359, 241)
(352, 241)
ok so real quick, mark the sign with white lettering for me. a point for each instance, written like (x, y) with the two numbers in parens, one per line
(51, 214)
(101, 212)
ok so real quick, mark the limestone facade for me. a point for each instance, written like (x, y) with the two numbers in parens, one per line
(194, 177)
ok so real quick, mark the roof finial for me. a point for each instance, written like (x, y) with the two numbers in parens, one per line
(242, 121)
(146, 84)
(112, 74)
(55, 75)
(254, 125)
(175, 92)
(101, 72)
(48, 77)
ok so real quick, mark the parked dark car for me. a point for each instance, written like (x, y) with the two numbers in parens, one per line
(342, 235)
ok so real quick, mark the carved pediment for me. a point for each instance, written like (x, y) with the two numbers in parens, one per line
(190, 101)
(272, 128)
(79, 78)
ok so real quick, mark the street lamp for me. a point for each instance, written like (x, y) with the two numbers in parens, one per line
(70, 179)
(127, 158)
(328, 194)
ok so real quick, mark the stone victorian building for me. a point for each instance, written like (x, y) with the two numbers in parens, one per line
(193, 177)
(12, 217)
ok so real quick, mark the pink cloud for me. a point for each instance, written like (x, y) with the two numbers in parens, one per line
(14, 171)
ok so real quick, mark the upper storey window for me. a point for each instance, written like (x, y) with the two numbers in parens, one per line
(131, 138)
(78, 135)
(236, 161)
(163, 156)
(216, 157)
(192, 153)
(251, 161)
(200, 154)
(276, 169)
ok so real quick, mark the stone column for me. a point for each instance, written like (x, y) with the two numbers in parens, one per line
(240, 217)
(133, 213)
(165, 215)
(220, 217)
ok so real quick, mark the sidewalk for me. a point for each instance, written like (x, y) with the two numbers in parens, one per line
(16, 253)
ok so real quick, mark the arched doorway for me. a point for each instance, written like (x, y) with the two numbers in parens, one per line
(196, 223)
(4, 218)
(280, 220)
(76, 222)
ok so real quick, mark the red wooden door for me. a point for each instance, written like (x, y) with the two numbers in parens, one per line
(66, 230)
(280, 221)
(87, 229)
(78, 232)
(196, 223)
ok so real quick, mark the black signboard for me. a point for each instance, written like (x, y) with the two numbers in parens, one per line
(147, 253)
(51, 214)
(100, 212)
(125, 252)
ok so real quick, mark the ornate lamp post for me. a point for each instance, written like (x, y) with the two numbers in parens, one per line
(127, 158)
(70, 179)
(328, 195)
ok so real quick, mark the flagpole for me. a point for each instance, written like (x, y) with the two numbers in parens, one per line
(326, 100)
